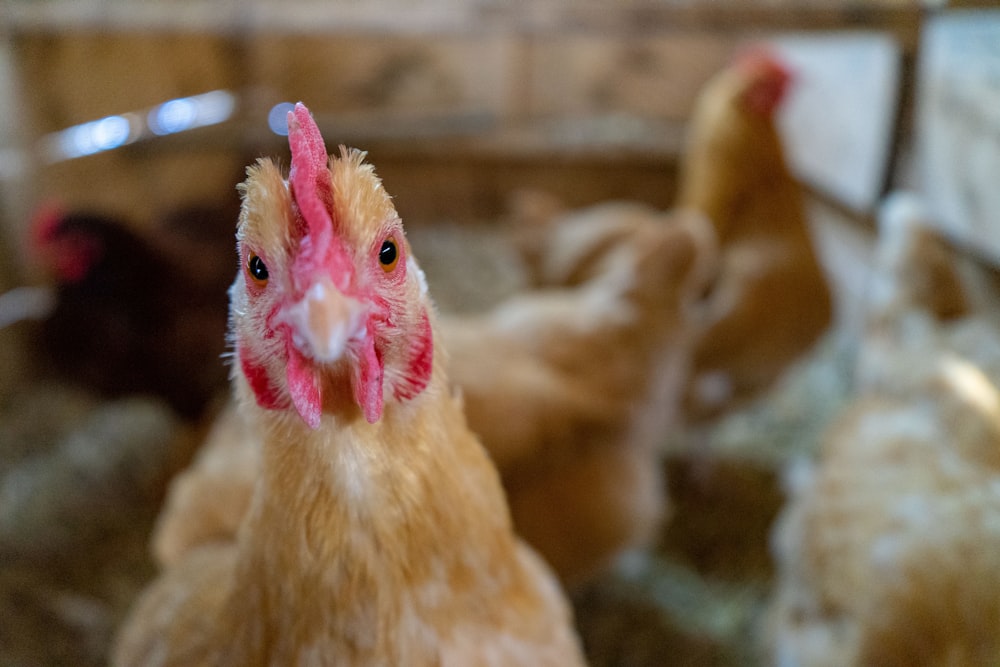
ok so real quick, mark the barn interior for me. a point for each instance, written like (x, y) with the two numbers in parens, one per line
(840, 510)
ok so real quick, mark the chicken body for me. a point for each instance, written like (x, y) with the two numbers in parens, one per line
(378, 531)
(916, 268)
(918, 290)
(129, 316)
(208, 500)
(571, 388)
(887, 552)
(771, 301)
(362, 561)
(887, 549)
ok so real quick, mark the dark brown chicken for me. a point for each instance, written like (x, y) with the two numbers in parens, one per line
(137, 315)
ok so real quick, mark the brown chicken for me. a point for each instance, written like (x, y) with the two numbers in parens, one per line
(571, 388)
(771, 301)
(378, 533)
(208, 500)
(888, 549)
(917, 290)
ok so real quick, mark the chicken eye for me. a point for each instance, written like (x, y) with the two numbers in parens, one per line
(388, 255)
(257, 268)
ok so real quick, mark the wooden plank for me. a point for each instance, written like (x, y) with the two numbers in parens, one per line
(385, 74)
(646, 76)
(746, 17)
(486, 83)
(75, 77)
(629, 17)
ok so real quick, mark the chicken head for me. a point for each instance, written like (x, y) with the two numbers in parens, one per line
(329, 310)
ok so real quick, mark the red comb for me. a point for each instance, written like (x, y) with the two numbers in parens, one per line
(69, 255)
(312, 191)
(769, 79)
(45, 224)
(308, 176)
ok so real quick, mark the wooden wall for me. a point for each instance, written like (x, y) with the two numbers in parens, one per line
(457, 102)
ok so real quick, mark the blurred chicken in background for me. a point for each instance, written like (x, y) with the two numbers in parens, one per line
(918, 293)
(771, 300)
(917, 268)
(137, 314)
(571, 387)
(887, 549)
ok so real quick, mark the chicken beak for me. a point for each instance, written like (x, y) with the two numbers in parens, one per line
(324, 321)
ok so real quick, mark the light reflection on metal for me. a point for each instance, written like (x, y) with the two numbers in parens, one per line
(89, 138)
(173, 116)
(177, 115)
(187, 113)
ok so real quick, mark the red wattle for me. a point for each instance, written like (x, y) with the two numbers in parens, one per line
(303, 387)
(367, 381)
